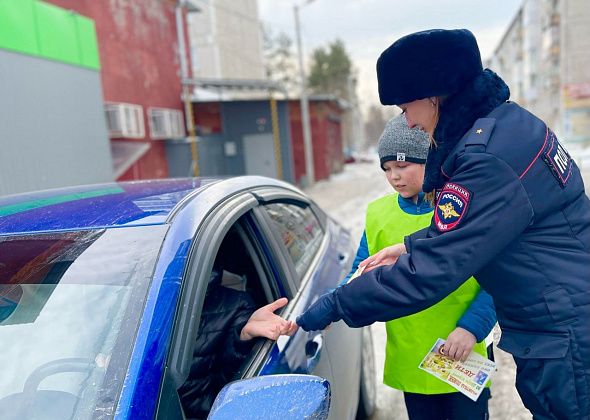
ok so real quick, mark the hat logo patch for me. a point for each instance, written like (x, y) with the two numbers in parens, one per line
(401, 157)
(452, 204)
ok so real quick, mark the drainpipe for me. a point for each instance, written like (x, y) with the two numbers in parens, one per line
(186, 94)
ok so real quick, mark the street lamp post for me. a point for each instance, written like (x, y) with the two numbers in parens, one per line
(307, 144)
(357, 139)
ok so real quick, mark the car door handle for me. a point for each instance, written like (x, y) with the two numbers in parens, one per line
(342, 258)
(313, 350)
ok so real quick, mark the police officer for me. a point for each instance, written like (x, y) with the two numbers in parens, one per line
(510, 210)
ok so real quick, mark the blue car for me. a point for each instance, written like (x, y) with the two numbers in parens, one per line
(102, 287)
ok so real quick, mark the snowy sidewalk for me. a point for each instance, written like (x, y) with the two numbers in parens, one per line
(345, 197)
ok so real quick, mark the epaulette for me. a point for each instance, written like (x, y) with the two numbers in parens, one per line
(478, 136)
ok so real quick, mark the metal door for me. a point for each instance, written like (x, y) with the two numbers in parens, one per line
(259, 155)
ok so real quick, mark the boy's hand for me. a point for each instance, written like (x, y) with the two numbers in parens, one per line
(264, 323)
(459, 344)
(386, 256)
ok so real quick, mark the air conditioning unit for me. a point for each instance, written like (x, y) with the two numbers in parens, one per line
(165, 123)
(124, 120)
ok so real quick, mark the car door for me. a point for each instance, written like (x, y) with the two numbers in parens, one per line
(317, 254)
(235, 213)
(302, 280)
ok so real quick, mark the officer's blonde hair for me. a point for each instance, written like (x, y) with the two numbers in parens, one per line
(436, 103)
(430, 196)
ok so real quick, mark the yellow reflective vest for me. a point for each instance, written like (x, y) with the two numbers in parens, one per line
(410, 338)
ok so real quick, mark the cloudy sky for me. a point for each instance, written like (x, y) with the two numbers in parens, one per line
(367, 27)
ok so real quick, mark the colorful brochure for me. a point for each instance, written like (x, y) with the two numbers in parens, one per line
(469, 377)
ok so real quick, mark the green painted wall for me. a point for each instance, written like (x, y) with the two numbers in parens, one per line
(41, 29)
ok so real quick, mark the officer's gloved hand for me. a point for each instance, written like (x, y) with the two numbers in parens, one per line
(319, 315)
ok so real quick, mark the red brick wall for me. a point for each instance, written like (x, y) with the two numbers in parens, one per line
(137, 42)
(297, 140)
(326, 139)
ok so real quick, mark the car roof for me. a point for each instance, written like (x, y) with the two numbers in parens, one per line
(122, 204)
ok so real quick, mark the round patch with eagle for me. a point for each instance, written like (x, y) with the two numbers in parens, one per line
(451, 206)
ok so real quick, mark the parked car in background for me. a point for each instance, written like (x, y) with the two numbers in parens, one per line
(101, 289)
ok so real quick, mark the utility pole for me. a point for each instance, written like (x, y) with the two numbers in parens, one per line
(307, 144)
(357, 139)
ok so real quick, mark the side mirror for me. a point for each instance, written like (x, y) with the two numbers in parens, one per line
(274, 396)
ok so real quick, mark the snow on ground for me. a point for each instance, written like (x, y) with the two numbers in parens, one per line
(345, 197)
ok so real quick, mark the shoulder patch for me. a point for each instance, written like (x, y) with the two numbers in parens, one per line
(557, 159)
(451, 206)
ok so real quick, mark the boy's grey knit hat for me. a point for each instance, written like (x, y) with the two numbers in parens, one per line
(402, 143)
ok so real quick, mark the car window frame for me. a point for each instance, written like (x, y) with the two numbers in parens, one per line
(281, 255)
(204, 248)
(264, 267)
(262, 348)
(274, 195)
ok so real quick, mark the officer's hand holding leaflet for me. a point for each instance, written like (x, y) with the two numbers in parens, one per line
(323, 312)
(387, 256)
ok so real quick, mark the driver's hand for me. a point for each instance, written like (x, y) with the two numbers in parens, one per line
(265, 323)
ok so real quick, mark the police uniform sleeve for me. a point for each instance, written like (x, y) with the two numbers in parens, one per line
(409, 240)
(495, 211)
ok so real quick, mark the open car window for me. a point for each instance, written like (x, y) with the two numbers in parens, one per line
(70, 305)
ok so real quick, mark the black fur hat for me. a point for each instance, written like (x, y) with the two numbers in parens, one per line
(430, 63)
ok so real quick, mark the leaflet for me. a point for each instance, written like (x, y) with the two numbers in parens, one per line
(357, 273)
(469, 377)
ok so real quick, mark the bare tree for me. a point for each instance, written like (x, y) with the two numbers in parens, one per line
(279, 58)
(374, 124)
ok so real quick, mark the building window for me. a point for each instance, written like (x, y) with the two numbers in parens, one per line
(125, 120)
(165, 123)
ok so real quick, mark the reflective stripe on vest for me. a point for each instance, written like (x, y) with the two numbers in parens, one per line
(410, 338)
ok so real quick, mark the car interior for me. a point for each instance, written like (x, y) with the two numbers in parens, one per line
(235, 257)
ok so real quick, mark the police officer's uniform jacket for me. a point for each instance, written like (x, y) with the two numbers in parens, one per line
(513, 213)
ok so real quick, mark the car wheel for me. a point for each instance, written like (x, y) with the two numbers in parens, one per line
(368, 388)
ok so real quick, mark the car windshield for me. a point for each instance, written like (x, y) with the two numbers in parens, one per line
(70, 305)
